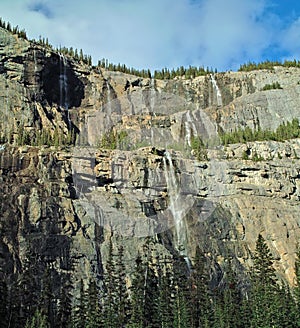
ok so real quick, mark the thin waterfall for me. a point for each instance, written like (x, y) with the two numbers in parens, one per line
(35, 63)
(190, 129)
(217, 90)
(176, 208)
(36, 80)
(63, 85)
(108, 105)
(152, 96)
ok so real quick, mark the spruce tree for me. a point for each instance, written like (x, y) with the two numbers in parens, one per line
(109, 306)
(166, 293)
(182, 315)
(38, 320)
(264, 291)
(122, 301)
(3, 304)
(46, 297)
(137, 294)
(200, 299)
(80, 308)
(64, 315)
(93, 310)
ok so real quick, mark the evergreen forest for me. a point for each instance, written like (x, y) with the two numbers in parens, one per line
(162, 292)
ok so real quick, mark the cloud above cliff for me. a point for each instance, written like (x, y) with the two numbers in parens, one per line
(164, 33)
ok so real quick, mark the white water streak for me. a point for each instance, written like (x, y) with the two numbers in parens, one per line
(108, 105)
(63, 85)
(190, 128)
(152, 96)
(176, 207)
(217, 90)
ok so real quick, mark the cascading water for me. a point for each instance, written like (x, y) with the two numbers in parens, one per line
(63, 86)
(108, 105)
(176, 208)
(152, 96)
(217, 90)
(190, 129)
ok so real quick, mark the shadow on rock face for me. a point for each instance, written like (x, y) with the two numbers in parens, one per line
(60, 84)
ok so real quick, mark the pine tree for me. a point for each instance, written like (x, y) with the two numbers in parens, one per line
(122, 302)
(229, 301)
(151, 296)
(264, 291)
(80, 308)
(200, 299)
(93, 310)
(64, 314)
(166, 293)
(3, 304)
(137, 294)
(46, 297)
(182, 316)
(38, 320)
(109, 306)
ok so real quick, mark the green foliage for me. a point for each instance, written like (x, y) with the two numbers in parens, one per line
(79, 313)
(265, 287)
(43, 137)
(199, 149)
(274, 85)
(251, 66)
(3, 304)
(284, 131)
(164, 74)
(163, 294)
(114, 140)
(14, 30)
(200, 304)
(39, 320)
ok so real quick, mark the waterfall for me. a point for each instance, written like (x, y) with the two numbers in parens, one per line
(108, 105)
(35, 63)
(176, 208)
(63, 85)
(152, 96)
(36, 80)
(190, 128)
(217, 90)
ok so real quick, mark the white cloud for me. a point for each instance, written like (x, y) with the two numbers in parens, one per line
(290, 39)
(153, 33)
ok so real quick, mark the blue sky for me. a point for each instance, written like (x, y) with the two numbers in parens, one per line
(165, 33)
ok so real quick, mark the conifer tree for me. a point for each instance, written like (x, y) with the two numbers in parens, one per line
(182, 315)
(264, 287)
(93, 310)
(46, 297)
(137, 294)
(3, 304)
(64, 314)
(109, 306)
(122, 302)
(200, 299)
(166, 293)
(38, 320)
(80, 308)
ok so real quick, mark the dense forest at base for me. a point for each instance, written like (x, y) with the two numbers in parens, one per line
(163, 292)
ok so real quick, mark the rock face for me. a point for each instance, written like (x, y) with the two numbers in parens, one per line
(67, 203)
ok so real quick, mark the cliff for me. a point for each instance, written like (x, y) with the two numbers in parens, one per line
(64, 203)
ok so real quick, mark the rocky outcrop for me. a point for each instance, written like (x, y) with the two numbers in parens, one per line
(66, 203)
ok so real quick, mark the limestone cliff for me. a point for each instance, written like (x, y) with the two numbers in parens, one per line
(65, 203)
